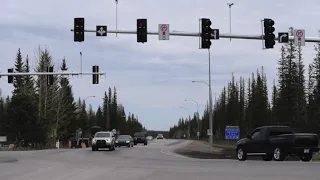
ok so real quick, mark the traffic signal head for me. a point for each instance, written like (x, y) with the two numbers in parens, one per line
(78, 29)
(142, 30)
(95, 77)
(205, 33)
(269, 36)
(10, 78)
(50, 77)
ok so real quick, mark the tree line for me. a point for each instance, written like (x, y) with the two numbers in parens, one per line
(295, 99)
(38, 114)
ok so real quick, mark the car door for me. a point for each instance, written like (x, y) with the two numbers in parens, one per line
(254, 143)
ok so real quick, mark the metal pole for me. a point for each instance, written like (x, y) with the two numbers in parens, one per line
(230, 4)
(116, 17)
(188, 121)
(51, 73)
(190, 34)
(81, 63)
(210, 105)
(198, 120)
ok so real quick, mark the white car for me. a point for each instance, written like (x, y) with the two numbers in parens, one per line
(103, 139)
(160, 136)
(149, 138)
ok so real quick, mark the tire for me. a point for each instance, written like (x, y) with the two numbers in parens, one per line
(132, 145)
(93, 149)
(145, 143)
(278, 154)
(114, 148)
(241, 154)
(306, 157)
(267, 157)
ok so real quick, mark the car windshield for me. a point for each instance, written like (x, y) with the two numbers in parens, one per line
(124, 137)
(102, 135)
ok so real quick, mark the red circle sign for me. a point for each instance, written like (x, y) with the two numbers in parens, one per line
(163, 28)
(299, 33)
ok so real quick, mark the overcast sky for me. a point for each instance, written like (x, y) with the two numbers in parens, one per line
(152, 79)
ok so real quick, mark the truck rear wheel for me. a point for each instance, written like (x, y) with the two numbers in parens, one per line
(306, 157)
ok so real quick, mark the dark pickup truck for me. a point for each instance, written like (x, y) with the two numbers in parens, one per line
(140, 137)
(277, 142)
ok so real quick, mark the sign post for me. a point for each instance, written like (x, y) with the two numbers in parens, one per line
(163, 31)
(299, 37)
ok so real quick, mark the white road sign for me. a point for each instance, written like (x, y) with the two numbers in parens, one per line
(163, 31)
(299, 37)
(209, 133)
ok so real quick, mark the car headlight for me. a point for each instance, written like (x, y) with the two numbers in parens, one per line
(127, 141)
(94, 141)
(116, 141)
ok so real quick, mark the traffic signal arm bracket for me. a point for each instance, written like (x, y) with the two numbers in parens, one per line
(191, 34)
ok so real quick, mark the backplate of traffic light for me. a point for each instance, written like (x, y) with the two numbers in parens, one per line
(78, 29)
(50, 77)
(142, 32)
(95, 77)
(205, 33)
(269, 36)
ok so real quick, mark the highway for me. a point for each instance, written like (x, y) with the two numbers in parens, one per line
(156, 161)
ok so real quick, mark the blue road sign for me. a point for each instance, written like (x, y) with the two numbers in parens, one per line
(232, 132)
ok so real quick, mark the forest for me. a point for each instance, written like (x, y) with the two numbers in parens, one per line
(247, 103)
(38, 113)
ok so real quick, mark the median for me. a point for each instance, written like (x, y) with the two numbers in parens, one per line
(202, 150)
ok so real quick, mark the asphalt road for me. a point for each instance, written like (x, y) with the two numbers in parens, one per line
(153, 162)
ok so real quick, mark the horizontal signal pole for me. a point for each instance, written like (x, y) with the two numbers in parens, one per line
(228, 36)
(51, 73)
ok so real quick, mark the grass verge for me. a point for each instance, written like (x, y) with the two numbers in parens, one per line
(316, 157)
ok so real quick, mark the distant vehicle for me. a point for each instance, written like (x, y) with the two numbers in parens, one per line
(160, 136)
(277, 142)
(103, 139)
(124, 140)
(140, 137)
(149, 138)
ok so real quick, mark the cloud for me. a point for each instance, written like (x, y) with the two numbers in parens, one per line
(154, 78)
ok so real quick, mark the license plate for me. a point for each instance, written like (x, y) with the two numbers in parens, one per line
(306, 151)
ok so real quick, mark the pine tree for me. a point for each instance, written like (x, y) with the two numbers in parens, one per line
(66, 113)
(18, 80)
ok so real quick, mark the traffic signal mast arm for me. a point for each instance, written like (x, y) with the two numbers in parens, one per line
(51, 73)
(228, 36)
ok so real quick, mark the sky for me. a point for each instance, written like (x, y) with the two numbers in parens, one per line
(153, 79)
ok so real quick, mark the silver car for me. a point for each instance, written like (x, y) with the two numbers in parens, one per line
(103, 139)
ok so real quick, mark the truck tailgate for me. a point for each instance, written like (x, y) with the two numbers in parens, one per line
(306, 140)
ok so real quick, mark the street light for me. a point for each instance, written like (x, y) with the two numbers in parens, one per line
(198, 133)
(89, 97)
(210, 107)
(188, 120)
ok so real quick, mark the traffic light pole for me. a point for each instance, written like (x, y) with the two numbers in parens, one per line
(228, 36)
(51, 73)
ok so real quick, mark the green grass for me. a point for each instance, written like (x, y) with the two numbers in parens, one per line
(316, 157)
